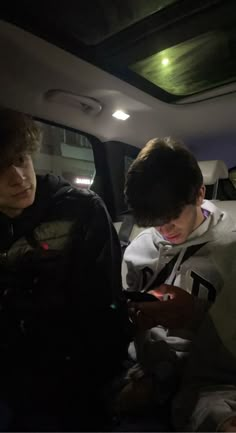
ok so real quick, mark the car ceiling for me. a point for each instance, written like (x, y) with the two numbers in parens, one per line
(80, 22)
(31, 67)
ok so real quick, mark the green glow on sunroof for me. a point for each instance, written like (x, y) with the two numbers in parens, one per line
(193, 66)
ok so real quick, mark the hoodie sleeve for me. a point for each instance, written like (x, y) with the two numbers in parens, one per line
(132, 278)
(141, 260)
(208, 394)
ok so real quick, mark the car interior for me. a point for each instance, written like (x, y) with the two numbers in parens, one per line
(102, 78)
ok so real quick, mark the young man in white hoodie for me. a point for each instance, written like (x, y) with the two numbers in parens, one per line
(165, 191)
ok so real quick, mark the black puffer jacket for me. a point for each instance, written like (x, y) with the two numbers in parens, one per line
(63, 321)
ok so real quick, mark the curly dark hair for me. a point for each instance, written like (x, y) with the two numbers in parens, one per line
(163, 179)
(18, 134)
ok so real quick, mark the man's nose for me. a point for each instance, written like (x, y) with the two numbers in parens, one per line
(17, 175)
(167, 228)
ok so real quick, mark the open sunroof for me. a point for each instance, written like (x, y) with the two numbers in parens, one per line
(168, 48)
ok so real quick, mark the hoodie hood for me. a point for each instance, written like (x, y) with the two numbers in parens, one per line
(211, 229)
(149, 247)
(49, 189)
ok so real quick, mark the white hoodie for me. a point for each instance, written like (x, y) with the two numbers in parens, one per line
(204, 271)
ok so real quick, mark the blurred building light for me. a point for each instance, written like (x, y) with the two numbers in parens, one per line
(83, 181)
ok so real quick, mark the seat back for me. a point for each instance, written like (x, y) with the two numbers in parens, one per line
(213, 171)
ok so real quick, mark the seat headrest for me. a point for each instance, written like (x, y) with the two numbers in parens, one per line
(228, 206)
(213, 170)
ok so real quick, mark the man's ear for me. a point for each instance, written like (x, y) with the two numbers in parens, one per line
(201, 195)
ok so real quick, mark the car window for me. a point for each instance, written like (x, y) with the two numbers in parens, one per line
(66, 153)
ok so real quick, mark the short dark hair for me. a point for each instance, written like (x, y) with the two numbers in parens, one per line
(18, 134)
(163, 178)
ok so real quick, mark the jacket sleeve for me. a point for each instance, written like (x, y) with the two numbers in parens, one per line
(96, 249)
(95, 289)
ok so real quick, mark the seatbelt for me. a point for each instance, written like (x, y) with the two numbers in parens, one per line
(125, 231)
(166, 271)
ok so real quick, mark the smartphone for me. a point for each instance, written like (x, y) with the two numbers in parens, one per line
(140, 296)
